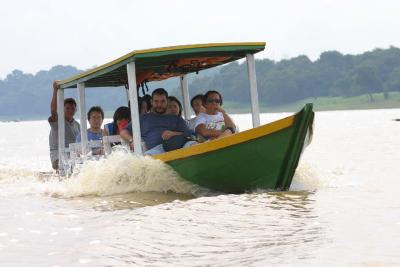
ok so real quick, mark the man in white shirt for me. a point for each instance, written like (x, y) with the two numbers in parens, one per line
(215, 122)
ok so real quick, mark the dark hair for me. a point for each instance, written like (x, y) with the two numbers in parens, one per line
(199, 96)
(159, 91)
(69, 101)
(119, 114)
(147, 98)
(141, 100)
(205, 97)
(174, 99)
(95, 109)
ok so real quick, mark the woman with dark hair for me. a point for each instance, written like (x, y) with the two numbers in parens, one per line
(121, 118)
(215, 122)
(174, 106)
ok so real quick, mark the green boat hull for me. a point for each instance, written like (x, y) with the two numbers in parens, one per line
(268, 161)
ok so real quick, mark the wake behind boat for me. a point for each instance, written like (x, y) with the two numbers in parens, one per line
(264, 157)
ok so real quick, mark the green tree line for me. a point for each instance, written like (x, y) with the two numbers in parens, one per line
(286, 81)
(279, 82)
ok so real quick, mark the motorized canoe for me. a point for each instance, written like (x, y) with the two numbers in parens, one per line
(264, 157)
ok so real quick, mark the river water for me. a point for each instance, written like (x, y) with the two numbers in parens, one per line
(343, 208)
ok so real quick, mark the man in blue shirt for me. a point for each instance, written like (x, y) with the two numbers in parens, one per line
(156, 126)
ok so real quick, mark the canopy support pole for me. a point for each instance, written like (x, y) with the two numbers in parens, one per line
(185, 96)
(133, 98)
(83, 118)
(61, 129)
(251, 69)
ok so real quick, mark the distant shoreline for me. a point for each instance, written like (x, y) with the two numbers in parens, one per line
(361, 102)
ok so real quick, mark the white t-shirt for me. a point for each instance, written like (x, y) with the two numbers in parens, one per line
(213, 122)
(191, 123)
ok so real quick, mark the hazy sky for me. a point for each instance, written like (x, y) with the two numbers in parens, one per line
(39, 34)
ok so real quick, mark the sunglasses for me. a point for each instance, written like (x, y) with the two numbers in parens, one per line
(216, 101)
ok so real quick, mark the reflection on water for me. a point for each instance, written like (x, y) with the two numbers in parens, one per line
(232, 229)
(248, 229)
(130, 201)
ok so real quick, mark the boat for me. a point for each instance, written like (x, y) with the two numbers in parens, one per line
(264, 157)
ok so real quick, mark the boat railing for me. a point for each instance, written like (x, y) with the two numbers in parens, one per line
(110, 140)
(72, 156)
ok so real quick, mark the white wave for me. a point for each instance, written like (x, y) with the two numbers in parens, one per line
(119, 173)
(123, 172)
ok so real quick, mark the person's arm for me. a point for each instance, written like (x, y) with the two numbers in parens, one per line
(227, 119)
(126, 135)
(208, 133)
(105, 132)
(53, 104)
(181, 128)
(168, 134)
(200, 128)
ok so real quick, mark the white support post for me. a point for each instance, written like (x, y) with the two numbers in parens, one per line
(185, 96)
(83, 117)
(255, 110)
(133, 98)
(61, 128)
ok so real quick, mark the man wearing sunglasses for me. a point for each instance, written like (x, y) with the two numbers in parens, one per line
(215, 122)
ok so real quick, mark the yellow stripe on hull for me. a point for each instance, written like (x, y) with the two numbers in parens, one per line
(227, 141)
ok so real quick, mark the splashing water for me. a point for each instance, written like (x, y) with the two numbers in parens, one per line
(119, 173)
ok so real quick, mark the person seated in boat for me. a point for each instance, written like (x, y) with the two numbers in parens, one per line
(72, 127)
(215, 122)
(121, 118)
(197, 105)
(174, 106)
(160, 131)
(147, 99)
(95, 117)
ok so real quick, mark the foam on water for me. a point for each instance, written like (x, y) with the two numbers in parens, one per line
(123, 172)
(308, 178)
(119, 173)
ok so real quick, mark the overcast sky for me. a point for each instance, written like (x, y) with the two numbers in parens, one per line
(36, 35)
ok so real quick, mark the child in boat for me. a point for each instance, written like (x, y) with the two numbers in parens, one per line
(214, 122)
(197, 105)
(121, 118)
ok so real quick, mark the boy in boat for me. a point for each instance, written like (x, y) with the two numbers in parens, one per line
(157, 127)
(197, 105)
(214, 122)
(72, 128)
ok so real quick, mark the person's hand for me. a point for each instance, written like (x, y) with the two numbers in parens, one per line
(227, 132)
(55, 85)
(167, 134)
(202, 109)
(220, 109)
